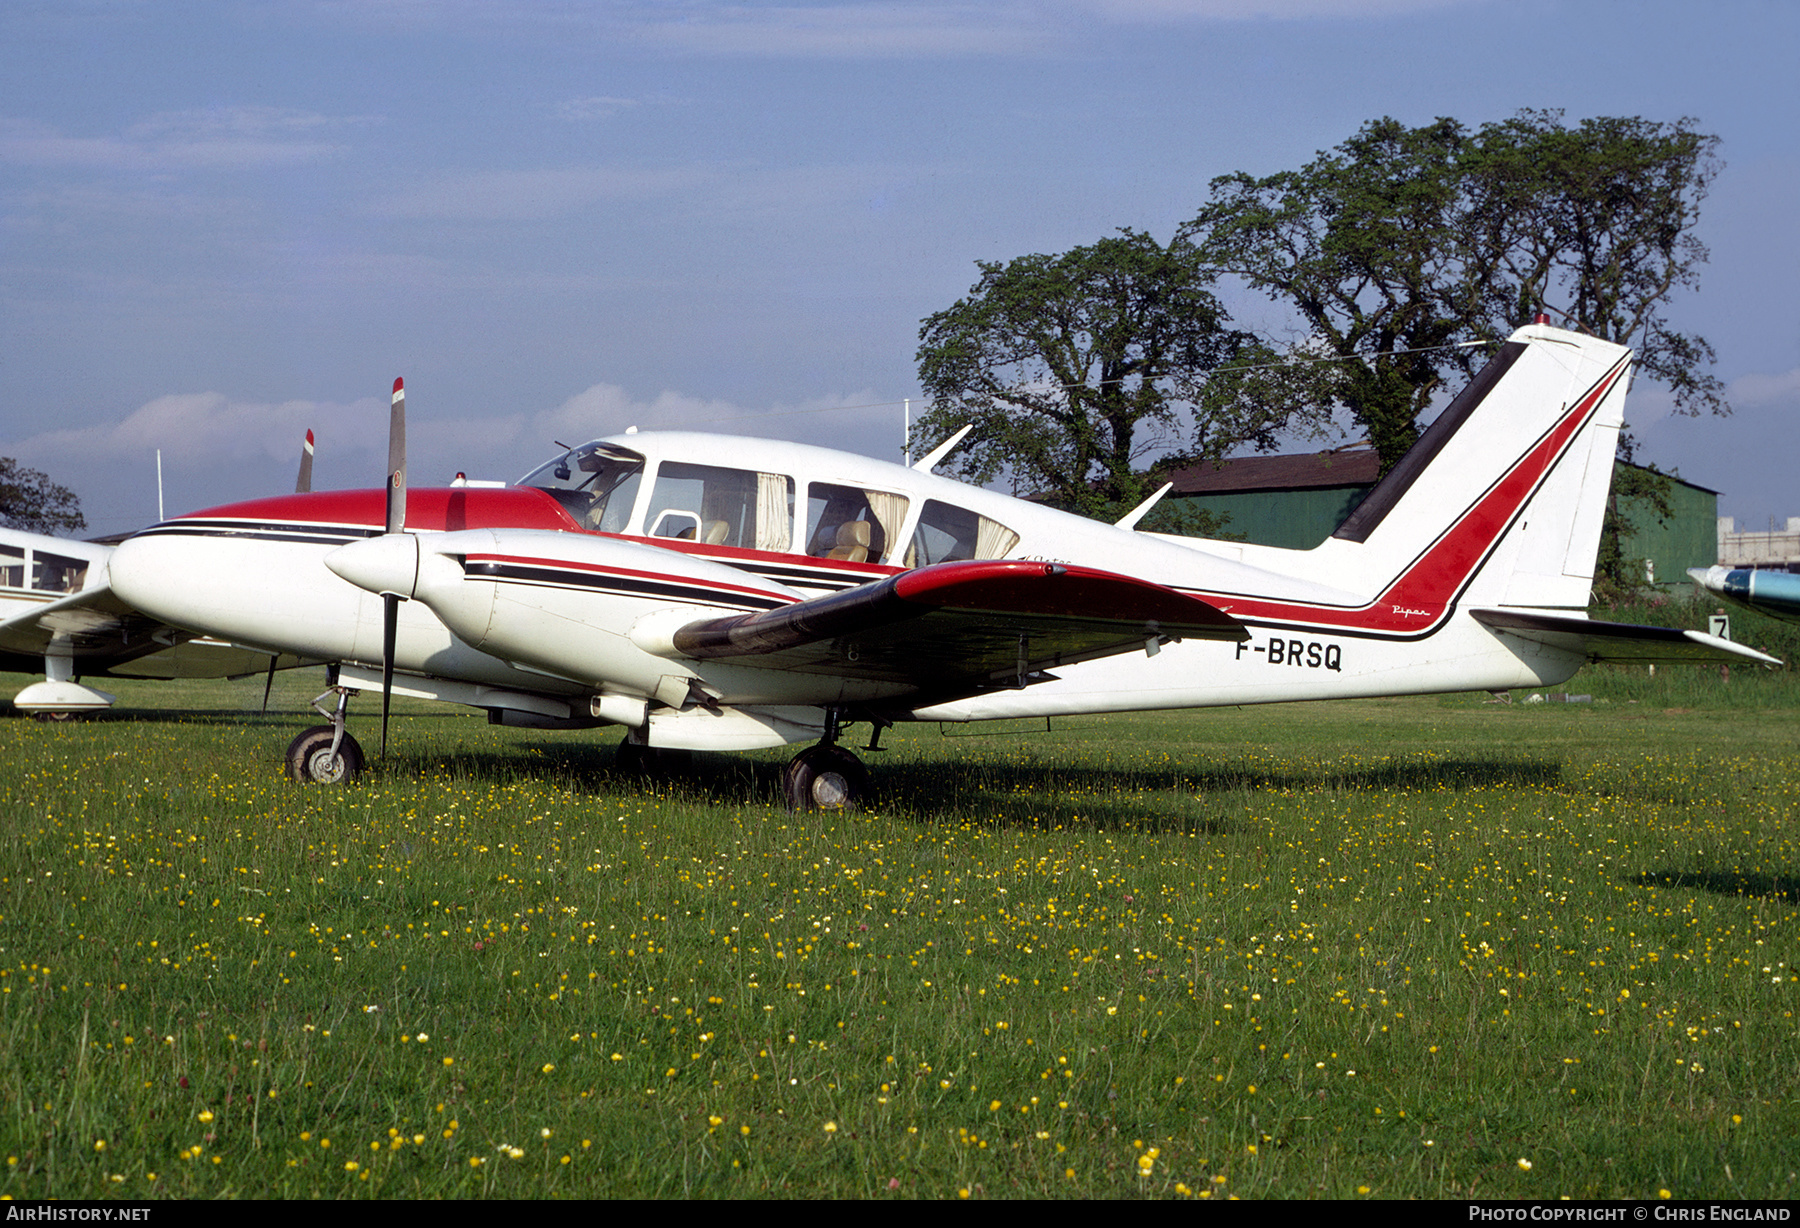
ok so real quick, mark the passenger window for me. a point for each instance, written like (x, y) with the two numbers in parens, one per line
(12, 567)
(55, 573)
(852, 524)
(722, 507)
(948, 533)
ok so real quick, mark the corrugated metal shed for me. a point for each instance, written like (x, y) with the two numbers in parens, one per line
(1298, 501)
(1688, 538)
(1291, 501)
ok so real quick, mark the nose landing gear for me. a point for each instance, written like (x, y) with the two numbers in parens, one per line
(326, 754)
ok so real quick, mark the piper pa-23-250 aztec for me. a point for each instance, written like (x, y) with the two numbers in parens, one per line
(713, 593)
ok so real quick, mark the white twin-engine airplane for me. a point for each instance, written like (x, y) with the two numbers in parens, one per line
(59, 614)
(55, 617)
(718, 593)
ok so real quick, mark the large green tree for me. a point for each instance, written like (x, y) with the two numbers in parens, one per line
(1402, 243)
(29, 500)
(1596, 223)
(1084, 373)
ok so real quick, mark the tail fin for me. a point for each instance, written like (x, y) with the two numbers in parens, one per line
(1501, 500)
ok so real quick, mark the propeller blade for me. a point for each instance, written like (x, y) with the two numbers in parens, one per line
(303, 483)
(390, 620)
(396, 523)
(396, 480)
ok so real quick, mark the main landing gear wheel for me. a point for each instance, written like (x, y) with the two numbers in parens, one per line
(310, 761)
(825, 778)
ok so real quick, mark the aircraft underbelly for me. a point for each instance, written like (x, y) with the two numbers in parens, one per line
(1278, 666)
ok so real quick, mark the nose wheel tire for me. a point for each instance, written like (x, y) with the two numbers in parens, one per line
(310, 761)
(825, 778)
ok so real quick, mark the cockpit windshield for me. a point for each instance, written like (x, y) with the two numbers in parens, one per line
(597, 483)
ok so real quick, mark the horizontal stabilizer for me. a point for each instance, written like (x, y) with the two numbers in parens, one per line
(1620, 643)
(962, 627)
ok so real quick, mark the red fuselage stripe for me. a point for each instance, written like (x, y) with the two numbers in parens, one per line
(520, 560)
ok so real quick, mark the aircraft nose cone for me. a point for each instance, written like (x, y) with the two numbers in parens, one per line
(1725, 581)
(385, 564)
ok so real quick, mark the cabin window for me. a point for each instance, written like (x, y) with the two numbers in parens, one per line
(597, 483)
(947, 533)
(12, 567)
(850, 523)
(722, 507)
(56, 573)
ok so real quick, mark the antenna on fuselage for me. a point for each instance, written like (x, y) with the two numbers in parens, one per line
(927, 462)
(1129, 519)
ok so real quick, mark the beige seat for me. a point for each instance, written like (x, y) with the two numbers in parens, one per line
(853, 538)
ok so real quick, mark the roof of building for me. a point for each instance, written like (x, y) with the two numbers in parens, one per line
(1352, 466)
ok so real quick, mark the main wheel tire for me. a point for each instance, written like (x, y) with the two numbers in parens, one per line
(825, 778)
(310, 761)
(53, 717)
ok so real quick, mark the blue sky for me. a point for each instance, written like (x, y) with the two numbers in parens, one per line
(222, 223)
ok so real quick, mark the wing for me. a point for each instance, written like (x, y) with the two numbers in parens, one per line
(94, 622)
(1620, 643)
(962, 627)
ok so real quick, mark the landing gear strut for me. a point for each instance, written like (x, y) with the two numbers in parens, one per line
(826, 776)
(326, 754)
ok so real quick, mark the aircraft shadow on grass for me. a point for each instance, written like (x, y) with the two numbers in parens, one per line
(1037, 794)
(1783, 887)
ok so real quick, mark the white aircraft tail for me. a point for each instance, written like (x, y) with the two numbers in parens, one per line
(1501, 500)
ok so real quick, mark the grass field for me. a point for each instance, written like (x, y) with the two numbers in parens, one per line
(1407, 948)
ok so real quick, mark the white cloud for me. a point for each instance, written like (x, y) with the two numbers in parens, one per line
(846, 31)
(197, 430)
(1164, 11)
(209, 433)
(607, 409)
(708, 189)
(1758, 389)
(218, 138)
(598, 106)
(829, 29)
(532, 195)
